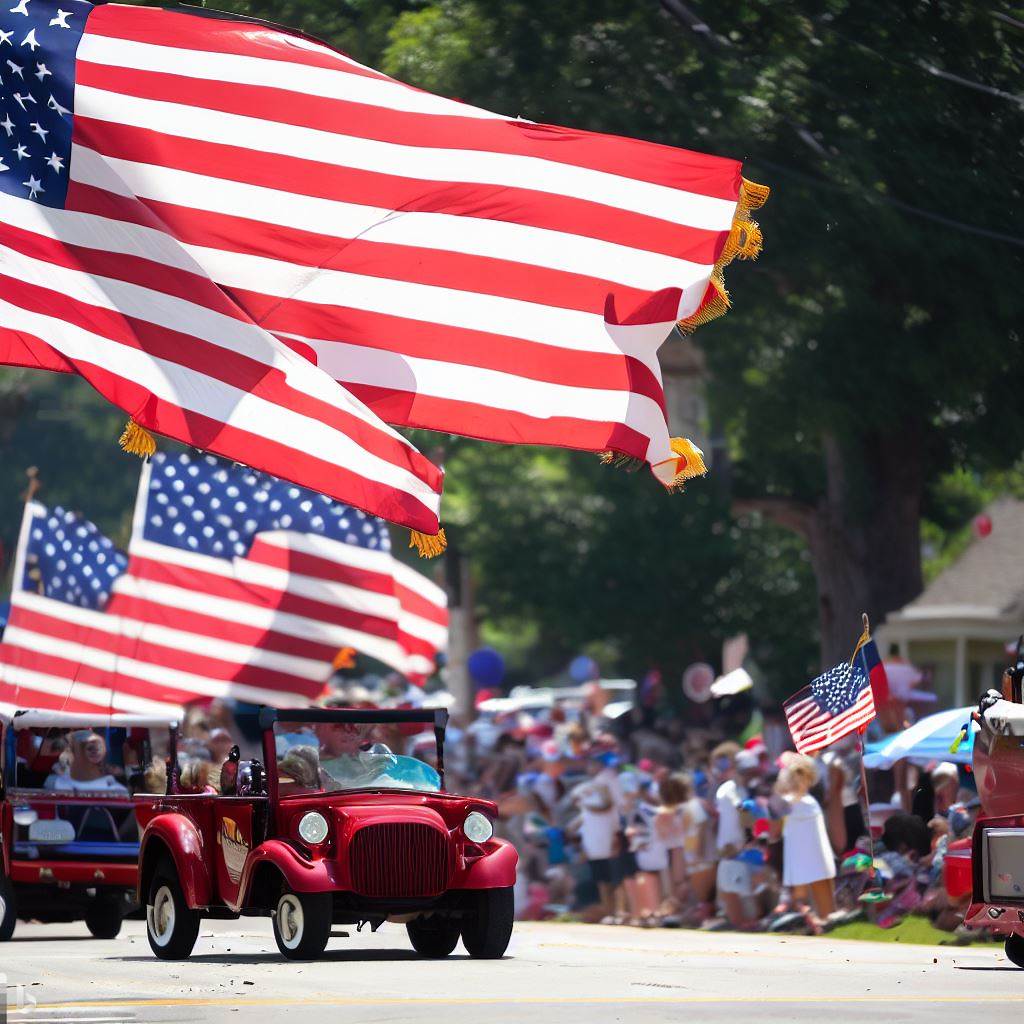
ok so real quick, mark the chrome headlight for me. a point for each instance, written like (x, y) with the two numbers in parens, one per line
(313, 828)
(477, 827)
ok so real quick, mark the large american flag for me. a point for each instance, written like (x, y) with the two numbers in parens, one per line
(836, 703)
(236, 584)
(94, 281)
(455, 269)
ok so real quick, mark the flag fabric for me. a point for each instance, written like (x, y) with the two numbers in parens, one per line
(236, 584)
(453, 268)
(872, 664)
(836, 703)
(93, 281)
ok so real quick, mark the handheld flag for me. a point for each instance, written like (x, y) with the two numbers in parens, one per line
(836, 703)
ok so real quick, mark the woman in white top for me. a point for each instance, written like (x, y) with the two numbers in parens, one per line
(808, 865)
(88, 771)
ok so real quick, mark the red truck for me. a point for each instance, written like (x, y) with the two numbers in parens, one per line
(69, 839)
(992, 868)
(330, 827)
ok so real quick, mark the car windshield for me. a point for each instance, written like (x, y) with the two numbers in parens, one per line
(324, 757)
(102, 761)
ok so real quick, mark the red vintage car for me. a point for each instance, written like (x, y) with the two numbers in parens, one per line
(996, 863)
(331, 828)
(69, 838)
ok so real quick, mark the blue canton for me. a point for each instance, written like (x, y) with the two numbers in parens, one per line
(38, 43)
(68, 559)
(837, 689)
(215, 507)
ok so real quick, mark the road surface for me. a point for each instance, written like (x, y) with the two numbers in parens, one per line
(569, 973)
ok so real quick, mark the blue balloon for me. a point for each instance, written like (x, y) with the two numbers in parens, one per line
(486, 667)
(582, 669)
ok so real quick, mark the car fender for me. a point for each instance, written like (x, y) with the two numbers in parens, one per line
(301, 874)
(495, 870)
(184, 842)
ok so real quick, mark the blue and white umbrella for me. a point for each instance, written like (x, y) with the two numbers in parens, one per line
(925, 741)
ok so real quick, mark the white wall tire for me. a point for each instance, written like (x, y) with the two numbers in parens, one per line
(172, 927)
(302, 923)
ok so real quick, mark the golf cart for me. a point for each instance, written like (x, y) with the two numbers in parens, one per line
(331, 828)
(69, 838)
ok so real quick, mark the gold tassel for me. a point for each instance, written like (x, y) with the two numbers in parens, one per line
(427, 546)
(744, 242)
(345, 658)
(137, 440)
(691, 461)
(620, 460)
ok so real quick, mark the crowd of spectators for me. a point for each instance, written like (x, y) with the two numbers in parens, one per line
(650, 820)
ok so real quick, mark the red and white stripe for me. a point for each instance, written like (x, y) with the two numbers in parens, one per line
(453, 268)
(181, 626)
(813, 729)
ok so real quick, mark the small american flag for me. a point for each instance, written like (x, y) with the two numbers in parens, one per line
(236, 584)
(453, 268)
(94, 281)
(835, 703)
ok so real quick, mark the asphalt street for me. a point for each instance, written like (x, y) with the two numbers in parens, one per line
(554, 972)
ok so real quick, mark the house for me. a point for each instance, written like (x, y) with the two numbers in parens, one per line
(958, 628)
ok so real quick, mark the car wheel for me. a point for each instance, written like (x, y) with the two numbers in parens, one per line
(8, 908)
(1014, 947)
(487, 926)
(302, 924)
(434, 936)
(104, 917)
(171, 925)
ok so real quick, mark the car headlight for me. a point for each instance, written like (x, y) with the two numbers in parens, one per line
(477, 827)
(313, 828)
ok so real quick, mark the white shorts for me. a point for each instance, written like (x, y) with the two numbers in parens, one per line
(734, 876)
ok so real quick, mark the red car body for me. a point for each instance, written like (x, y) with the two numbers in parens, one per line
(387, 854)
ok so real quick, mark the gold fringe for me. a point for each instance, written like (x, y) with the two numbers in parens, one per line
(620, 460)
(690, 464)
(137, 440)
(744, 242)
(427, 546)
(345, 658)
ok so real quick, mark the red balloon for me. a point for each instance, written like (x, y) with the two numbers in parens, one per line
(982, 525)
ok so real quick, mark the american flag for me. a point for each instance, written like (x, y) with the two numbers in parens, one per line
(236, 584)
(455, 269)
(834, 704)
(93, 281)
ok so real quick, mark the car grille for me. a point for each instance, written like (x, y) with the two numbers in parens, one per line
(400, 859)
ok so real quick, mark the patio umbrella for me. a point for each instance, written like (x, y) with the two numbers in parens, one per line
(925, 741)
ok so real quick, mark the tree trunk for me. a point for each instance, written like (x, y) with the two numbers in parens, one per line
(863, 534)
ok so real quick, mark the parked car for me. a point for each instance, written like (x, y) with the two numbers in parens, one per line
(332, 827)
(69, 838)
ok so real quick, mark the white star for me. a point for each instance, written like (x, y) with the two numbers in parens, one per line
(20, 151)
(61, 21)
(5, 37)
(56, 162)
(38, 129)
(8, 125)
(21, 99)
(34, 186)
(3, 166)
(54, 105)
(15, 69)
(42, 71)
(21, 8)
(30, 41)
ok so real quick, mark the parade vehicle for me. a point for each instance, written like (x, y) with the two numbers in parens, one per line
(69, 837)
(995, 860)
(331, 828)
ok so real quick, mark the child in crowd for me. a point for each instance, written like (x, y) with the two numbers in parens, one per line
(808, 865)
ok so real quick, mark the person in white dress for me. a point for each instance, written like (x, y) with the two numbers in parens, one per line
(808, 864)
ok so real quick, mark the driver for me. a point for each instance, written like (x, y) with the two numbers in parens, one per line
(88, 770)
(348, 756)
